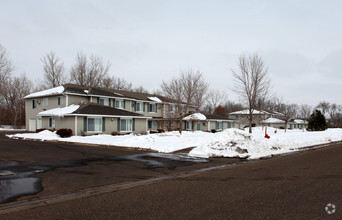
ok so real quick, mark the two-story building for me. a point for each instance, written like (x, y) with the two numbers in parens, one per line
(90, 110)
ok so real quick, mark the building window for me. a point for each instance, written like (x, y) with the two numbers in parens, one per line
(126, 124)
(188, 125)
(219, 125)
(95, 124)
(104, 101)
(60, 100)
(151, 125)
(45, 101)
(152, 107)
(34, 103)
(172, 108)
(51, 122)
(119, 103)
(139, 107)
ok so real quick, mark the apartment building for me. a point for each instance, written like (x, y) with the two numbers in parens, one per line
(90, 110)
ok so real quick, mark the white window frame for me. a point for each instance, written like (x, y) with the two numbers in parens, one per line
(188, 125)
(45, 102)
(141, 106)
(172, 108)
(105, 101)
(128, 125)
(34, 103)
(52, 122)
(219, 128)
(39, 123)
(60, 100)
(119, 103)
(154, 109)
(95, 119)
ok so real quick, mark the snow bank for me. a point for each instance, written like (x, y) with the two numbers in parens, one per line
(228, 143)
(43, 135)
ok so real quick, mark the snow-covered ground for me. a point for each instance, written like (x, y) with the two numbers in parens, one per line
(11, 129)
(228, 143)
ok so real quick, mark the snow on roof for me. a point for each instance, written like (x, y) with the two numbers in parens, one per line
(299, 121)
(59, 111)
(53, 91)
(246, 112)
(115, 93)
(273, 120)
(195, 116)
(156, 99)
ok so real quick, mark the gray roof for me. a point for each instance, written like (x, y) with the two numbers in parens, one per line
(96, 109)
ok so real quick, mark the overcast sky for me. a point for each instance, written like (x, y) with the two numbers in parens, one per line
(150, 41)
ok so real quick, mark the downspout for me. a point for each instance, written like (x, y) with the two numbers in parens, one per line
(209, 125)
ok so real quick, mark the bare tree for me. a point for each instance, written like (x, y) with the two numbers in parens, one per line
(201, 88)
(215, 98)
(53, 70)
(289, 112)
(183, 91)
(6, 66)
(324, 107)
(141, 89)
(116, 83)
(251, 82)
(305, 111)
(13, 99)
(232, 107)
(335, 113)
(89, 71)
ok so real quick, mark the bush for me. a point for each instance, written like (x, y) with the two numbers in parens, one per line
(317, 122)
(160, 130)
(213, 131)
(64, 132)
(115, 133)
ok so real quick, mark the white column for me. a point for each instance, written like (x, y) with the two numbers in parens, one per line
(66, 100)
(75, 125)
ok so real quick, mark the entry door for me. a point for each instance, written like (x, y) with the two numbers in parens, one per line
(32, 125)
(39, 123)
(198, 126)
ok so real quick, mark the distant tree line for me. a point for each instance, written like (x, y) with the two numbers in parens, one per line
(189, 88)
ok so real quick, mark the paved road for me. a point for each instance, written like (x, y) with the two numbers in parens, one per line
(297, 186)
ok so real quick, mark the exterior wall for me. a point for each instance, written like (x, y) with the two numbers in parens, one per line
(74, 99)
(243, 121)
(140, 125)
(31, 113)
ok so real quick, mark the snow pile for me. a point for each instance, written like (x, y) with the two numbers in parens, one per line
(236, 143)
(155, 99)
(53, 91)
(228, 143)
(60, 112)
(195, 116)
(43, 135)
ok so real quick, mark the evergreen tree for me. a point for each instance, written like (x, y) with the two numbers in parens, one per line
(317, 122)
